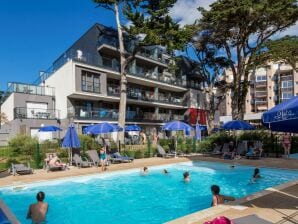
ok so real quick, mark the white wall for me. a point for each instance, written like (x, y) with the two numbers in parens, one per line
(63, 80)
(7, 107)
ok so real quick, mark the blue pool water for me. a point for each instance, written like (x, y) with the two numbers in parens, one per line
(127, 197)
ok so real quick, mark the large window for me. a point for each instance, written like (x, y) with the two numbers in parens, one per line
(287, 84)
(286, 95)
(261, 78)
(90, 82)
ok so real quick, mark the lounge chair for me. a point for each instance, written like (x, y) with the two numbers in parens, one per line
(20, 169)
(79, 162)
(118, 158)
(53, 167)
(241, 148)
(216, 151)
(162, 152)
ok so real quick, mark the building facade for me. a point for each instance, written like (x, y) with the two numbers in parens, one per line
(82, 87)
(269, 86)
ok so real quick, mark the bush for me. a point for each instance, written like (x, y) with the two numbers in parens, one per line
(37, 158)
(87, 142)
(22, 145)
(139, 154)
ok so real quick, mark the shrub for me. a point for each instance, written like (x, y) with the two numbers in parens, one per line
(139, 154)
(87, 142)
(22, 145)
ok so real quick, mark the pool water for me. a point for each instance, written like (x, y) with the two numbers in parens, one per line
(127, 197)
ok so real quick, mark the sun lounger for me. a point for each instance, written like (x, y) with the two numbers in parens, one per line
(20, 169)
(118, 158)
(241, 149)
(216, 151)
(162, 152)
(94, 158)
(251, 219)
(79, 162)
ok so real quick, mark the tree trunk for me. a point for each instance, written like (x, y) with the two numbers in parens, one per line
(238, 103)
(123, 80)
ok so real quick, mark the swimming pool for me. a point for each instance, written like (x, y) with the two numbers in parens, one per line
(127, 197)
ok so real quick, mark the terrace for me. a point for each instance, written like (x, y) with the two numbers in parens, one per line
(15, 87)
(35, 113)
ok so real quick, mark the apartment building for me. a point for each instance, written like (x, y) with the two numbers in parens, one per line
(269, 86)
(82, 87)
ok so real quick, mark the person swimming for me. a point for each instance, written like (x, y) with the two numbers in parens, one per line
(37, 212)
(165, 171)
(256, 175)
(217, 198)
(144, 171)
(186, 177)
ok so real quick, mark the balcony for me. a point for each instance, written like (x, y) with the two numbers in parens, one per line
(285, 67)
(35, 113)
(112, 44)
(260, 94)
(30, 89)
(260, 84)
(101, 114)
(260, 102)
(145, 95)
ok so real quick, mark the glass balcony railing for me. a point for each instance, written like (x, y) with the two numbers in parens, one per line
(35, 113)
(84, 113)
(30, 89)
(145, 95)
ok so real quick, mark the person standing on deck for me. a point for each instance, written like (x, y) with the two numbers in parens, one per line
(286, 143)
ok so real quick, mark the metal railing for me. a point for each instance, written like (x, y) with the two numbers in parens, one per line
(84, 113)
(145, 95)
(35, 113)
(30, 89)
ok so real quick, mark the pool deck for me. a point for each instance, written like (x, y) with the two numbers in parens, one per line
(273, 205)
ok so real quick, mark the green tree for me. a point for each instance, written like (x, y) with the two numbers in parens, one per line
(236, 30)
(284, 49)
(150, 25)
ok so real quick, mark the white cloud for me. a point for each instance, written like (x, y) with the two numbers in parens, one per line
(185, 11)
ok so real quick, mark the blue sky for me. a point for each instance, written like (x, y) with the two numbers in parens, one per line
(34, 33)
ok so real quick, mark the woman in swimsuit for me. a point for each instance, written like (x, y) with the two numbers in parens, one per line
(286, 143)
(103, 158)
(218, 198)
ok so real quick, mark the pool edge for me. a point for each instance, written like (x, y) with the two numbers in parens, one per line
(205, 213)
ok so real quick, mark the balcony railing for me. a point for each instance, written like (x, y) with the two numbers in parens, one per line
(30, 89)
(35, 113)
(145, 95)
(261, 84)
(83, 113)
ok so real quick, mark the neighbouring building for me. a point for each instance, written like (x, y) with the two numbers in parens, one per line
(269, 86)
(82, 87)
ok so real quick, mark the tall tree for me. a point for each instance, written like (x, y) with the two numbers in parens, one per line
(150, 25)
(284, 49)
(237, 30)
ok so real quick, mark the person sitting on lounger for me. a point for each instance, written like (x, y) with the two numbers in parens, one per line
(37, 212)
(103, 159)
(55, 161)
(256, 175)
(217, 198)
(144, 171)
(186, 177)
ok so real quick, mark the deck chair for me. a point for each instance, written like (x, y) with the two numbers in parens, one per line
(118, 158)
(162, 152)
(216, 151)
(20, 169)
(241, 149)
(225, 148)
(79, 162)
(94, 158)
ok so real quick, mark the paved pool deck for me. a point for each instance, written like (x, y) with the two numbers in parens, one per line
(274, 205)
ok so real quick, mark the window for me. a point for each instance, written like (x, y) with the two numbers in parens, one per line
(261, 78)
(90, 82)
(286, 95)
(37, 110)
(287, 84)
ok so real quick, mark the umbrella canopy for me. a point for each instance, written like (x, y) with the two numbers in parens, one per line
(283, 117)
(237, 125)
(49, 128)
(71, 139)
(102, 128)
(133, 127)
(177, 126)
